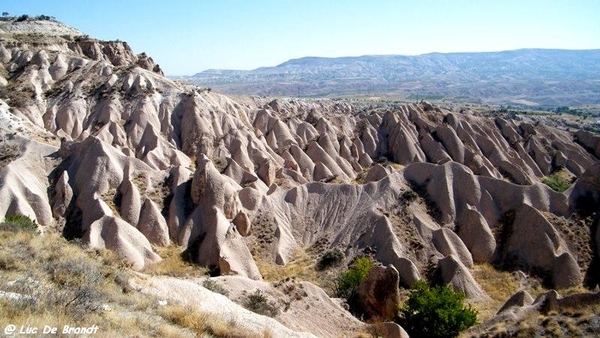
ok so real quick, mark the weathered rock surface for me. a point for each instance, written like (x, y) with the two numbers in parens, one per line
(519, 299)
(521, 307)
(585, 195)
(115, 234)
(452, 271)
(535, 243)
(143, 160)
(300, 305)
(153, 225)
(378, 296)
(191, 293)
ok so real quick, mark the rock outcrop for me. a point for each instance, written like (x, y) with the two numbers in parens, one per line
(519, 299)
(99, 145)
(451, 271)
(378, 296)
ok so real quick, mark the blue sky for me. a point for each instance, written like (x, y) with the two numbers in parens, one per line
(186, 37)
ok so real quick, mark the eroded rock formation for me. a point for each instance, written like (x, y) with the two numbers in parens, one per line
(101, 146)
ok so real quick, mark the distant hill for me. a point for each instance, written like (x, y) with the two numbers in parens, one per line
(536, 76)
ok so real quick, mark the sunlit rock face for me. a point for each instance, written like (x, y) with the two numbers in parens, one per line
(101, 146)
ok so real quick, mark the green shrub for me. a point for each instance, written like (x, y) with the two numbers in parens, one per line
(330, 258)
(409, 195)
(435, 312)
(556, 182)
(259, 303)
(18, 222)
(351, 279)
(382, 160)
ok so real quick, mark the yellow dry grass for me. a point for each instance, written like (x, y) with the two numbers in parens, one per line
(76, 286)
(397, 166)
(173, 264)
(301, 267)
(499, 285)
(205, 324)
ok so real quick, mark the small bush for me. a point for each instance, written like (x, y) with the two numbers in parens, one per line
(435, 312)
(351, 279)
(409, 195)
(16, 223)
(556, 182)
(78, 280)
(45, 17)
(75, 273)
(259, 303)
(382, 160)
(330, 258)
(215, 287)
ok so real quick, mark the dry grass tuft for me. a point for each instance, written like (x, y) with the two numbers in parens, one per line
(185, 316)
(173, 264)
(499, 285)
(397, 166)
(64, 283)
(301, 266)
(204, 323)
(58, 282)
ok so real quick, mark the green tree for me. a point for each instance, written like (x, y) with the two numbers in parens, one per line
(435, 312)
(351, 279)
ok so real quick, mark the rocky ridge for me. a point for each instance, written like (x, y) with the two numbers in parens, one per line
(534, 77)
(99, 145)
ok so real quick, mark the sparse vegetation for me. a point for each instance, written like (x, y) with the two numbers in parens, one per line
(23, 17)
(203, 323)
(173, 264)
(8, 153)
(436, 311)
(582, 323)
(409, 195)
(213, 286)
(18, 222)
(499, 285)
(351, 279)
(259, 303)
(331, 258)
(557, 182)
(17, 96)
(300, 266)
(53, 281)
(382, 160)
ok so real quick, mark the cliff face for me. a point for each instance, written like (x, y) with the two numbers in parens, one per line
(100, 145)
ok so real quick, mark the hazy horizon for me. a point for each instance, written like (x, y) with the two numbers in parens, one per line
(191, 36)
(409, 55)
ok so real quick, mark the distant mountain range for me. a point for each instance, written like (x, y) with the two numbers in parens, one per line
(543, 77)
